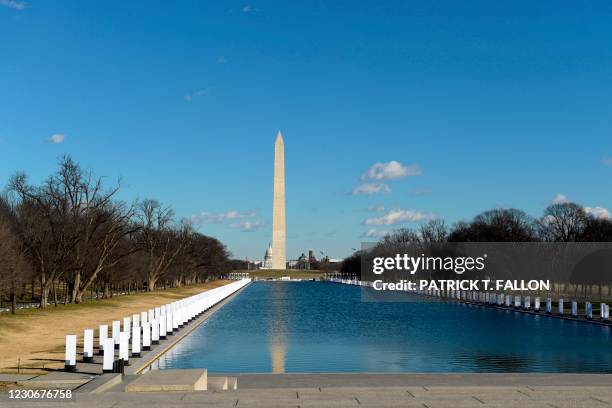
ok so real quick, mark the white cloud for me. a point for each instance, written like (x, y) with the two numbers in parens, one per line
(598, 212)
(56, 138)
(374, 233)
(397, 216)
(376, 208)
(14, 4)
(608, 161)
(247, 9)
(371, 188)
(390, 171)
(221, 60)
(197, 94)
(560, 199)
(215, 218)
(248, 226)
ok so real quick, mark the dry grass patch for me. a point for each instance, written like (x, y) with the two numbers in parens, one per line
(33, 340)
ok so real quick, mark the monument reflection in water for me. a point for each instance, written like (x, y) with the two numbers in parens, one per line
(278, 329)
(326, 327)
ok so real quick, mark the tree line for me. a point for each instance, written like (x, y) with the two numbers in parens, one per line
(561, 222)
(72, 232)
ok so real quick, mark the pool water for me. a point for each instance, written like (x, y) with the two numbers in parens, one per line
(326, 327)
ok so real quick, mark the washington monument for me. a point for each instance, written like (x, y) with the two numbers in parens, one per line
(278, 210)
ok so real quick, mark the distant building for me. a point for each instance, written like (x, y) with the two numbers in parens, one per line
(311, 256)
(267, 261)
(304, 262)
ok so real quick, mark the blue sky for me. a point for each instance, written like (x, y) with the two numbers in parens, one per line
(482, 104)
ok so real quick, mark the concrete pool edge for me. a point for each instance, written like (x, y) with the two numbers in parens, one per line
(317, 381)
(358, 380)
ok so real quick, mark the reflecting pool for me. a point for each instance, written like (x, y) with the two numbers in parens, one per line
(326, 327)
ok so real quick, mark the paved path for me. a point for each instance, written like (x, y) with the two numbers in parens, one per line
(358, 397)
(369, 390)
(297, 380)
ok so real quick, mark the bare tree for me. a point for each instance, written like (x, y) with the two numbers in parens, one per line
(71, 229)
(433, 231)
(14, 268)
(42, 232)
(158, 238)
(563, 222)
(498, 225)
(103, 250)
(400, 236)
(95, 223)
(209, 256)
(597, 230)
(71, 226)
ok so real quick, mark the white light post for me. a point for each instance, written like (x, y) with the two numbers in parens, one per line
(169, 319)
(155, 331)
(116, 332)
(127, 325)
(109, 356)
(136, 320)
(103, 335)
(146, 336)
(88, 339)
(136, 341)
(588, 307)
(124, 353)
(162, 327)
(71, 344)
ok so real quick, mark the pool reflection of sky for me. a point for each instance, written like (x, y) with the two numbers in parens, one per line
(324, 327)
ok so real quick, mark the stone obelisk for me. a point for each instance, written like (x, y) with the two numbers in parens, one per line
(278, 210)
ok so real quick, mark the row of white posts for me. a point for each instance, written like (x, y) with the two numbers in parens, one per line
(142, 330)
(352, 282)
(238, 275)
(502, 300)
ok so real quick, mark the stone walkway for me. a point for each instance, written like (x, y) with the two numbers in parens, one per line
(422, 397)
(368, 390)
